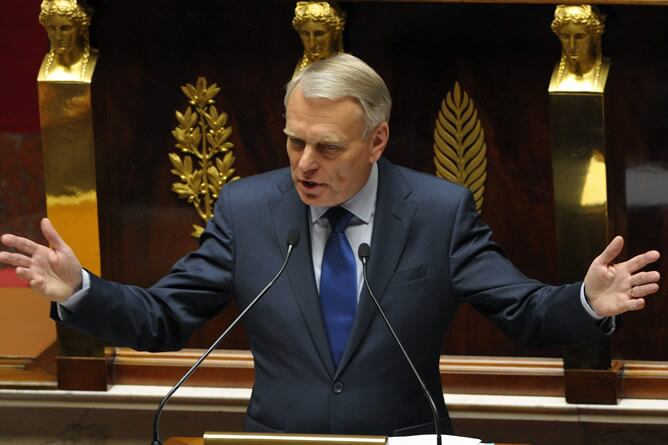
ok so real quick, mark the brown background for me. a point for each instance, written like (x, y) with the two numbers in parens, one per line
(502, 55)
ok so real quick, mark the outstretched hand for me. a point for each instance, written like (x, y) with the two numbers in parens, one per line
(54, 272)
(615, 288)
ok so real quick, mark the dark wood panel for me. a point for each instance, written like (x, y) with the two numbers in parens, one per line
(637, 104)
(22, 202)
(502, 55)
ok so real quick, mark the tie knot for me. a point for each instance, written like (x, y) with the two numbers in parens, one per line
(339, 218)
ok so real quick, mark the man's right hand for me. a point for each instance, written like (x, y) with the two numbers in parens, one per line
(53, 272)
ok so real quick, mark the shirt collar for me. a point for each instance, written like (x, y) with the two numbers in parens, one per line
(361, 205)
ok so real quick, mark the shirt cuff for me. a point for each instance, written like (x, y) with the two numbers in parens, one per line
(606, 323)
(74, 299)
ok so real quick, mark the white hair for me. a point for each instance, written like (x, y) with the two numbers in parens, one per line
(344, 75)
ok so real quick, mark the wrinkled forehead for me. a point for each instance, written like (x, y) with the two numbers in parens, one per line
(300, 95)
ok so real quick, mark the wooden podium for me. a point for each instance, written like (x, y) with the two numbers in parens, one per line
(280, 439)
(276, 438)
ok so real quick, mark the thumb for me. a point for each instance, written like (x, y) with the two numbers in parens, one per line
(612, 251)
(51, 235)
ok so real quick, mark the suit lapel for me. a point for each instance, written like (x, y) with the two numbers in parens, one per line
(289, 212)
(392, 221)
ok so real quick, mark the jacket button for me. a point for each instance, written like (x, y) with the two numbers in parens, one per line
(338, 387)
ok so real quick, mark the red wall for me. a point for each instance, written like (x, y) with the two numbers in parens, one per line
(23, 44)
(26, 328)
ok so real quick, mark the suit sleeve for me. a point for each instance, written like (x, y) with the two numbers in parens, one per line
(162, 317)
(527, 310)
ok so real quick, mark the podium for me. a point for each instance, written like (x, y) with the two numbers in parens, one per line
(280, 439)
(276, 439)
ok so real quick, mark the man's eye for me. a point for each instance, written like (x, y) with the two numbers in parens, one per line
(329, 148)
(296, 143)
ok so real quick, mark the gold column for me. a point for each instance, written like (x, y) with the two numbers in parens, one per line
(66, 119)
(69, 166)
(577, 126)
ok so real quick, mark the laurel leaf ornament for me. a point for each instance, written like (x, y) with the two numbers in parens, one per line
(202, 137)
(460, 151)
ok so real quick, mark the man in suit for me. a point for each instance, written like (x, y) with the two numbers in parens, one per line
(324, 361)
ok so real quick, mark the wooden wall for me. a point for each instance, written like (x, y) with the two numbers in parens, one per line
(502, 55)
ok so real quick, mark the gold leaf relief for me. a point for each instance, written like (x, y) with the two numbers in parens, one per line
(460, 152)
(201, 135)
(197, 231)
(189, 91)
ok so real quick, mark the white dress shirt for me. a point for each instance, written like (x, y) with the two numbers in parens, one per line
(362, 206)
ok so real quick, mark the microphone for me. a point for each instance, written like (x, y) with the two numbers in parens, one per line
(363, 252)
(293, 241)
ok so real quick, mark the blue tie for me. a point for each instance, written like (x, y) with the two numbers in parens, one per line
(338, 283)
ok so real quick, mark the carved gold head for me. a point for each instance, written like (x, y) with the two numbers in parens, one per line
(320, 27)
(66, 23)
(579, 28)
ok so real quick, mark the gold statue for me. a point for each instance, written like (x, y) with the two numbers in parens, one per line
(582, 66)
(70, 58)
(320, 27)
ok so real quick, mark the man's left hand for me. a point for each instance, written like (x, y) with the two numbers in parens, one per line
(615, 288)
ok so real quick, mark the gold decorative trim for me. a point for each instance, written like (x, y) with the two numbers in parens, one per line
(460, 151)
(200, 187)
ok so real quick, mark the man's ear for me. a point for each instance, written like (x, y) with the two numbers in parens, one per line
(379, 139)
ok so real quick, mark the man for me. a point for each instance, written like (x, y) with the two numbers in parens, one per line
(341, 373)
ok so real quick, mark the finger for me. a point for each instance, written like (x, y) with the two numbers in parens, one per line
(635, 304)
(19, 243)
(24, 274)
(51, 235)
(37, 285)
(15, 259)
(644, 290)
(639, 261)
(3, 237)
(612, 251)
(645, 277)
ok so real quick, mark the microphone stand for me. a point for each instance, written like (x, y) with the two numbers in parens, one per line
(293, 241)
(364, 251)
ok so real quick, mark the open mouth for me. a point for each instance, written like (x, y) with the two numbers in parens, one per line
(310, 184)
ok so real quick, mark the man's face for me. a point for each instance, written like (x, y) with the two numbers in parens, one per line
(63, 34)
(329, 160)
(317, 40)
(577, 43)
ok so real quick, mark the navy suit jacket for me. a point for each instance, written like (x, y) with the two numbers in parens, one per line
(429, 253)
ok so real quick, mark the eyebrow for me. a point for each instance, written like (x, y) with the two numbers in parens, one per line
(324, 139)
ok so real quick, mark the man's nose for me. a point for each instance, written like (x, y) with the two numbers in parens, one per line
(308, 160)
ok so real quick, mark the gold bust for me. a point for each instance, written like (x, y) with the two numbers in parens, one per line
(582, 66)
(70, 58)
(320, 27)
